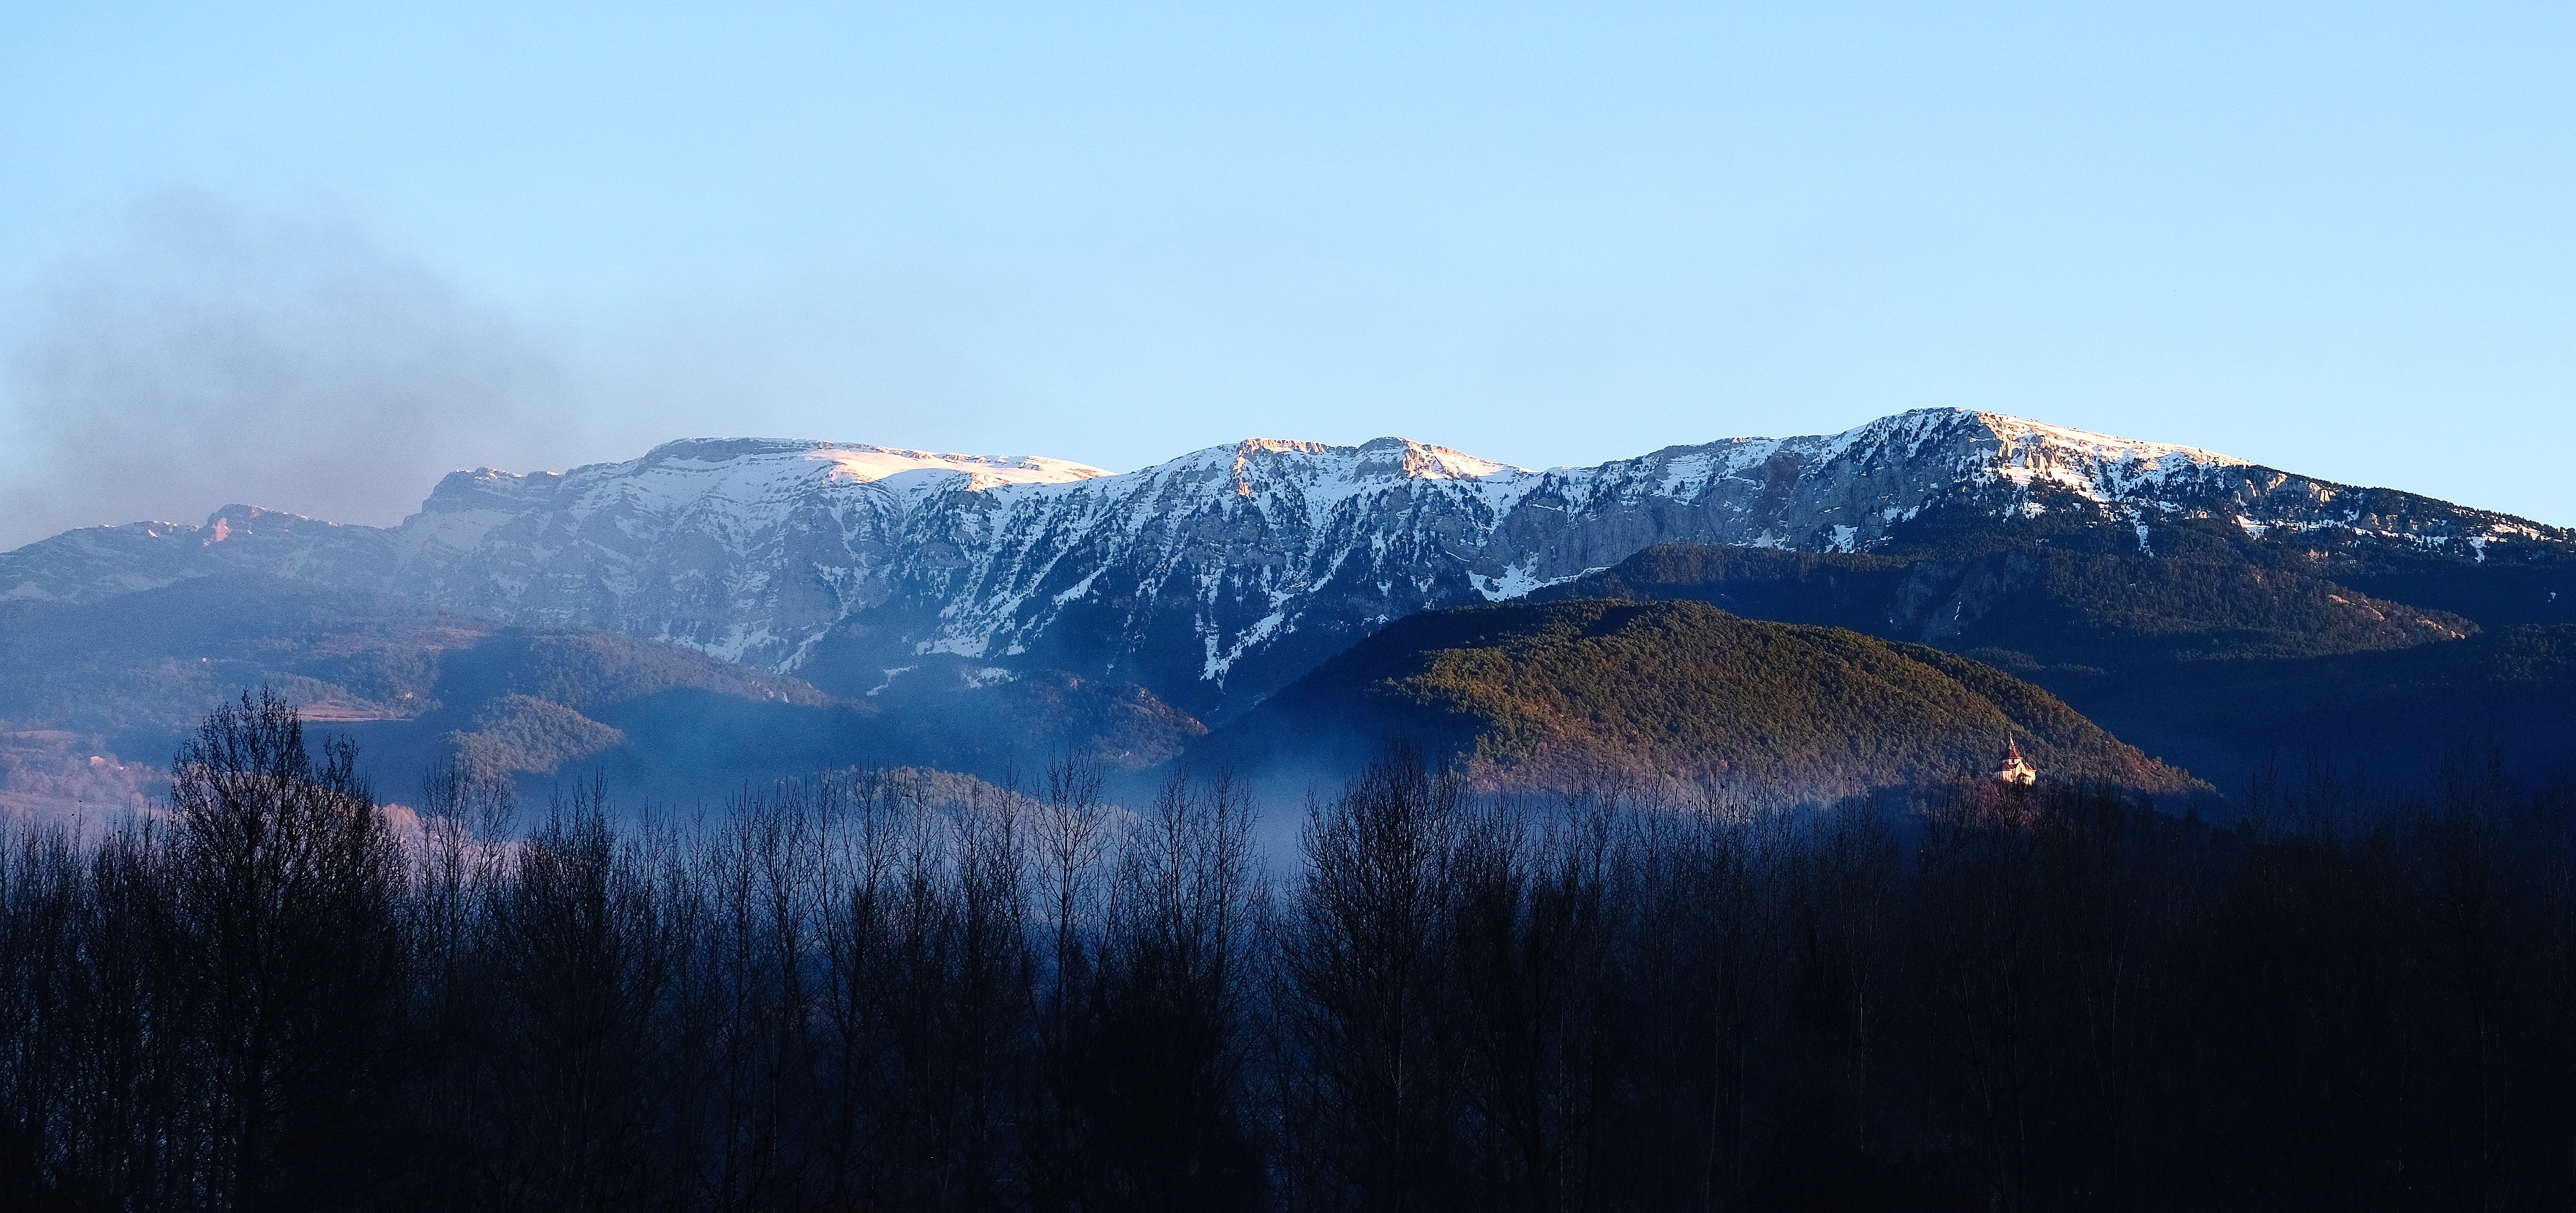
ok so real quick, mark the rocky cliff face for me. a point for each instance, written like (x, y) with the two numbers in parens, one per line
(1213, 578)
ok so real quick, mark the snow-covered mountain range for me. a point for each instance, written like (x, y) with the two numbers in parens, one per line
(1209, 579)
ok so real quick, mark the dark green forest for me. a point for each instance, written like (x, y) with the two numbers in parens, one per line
(879, 990)
(2213, 652)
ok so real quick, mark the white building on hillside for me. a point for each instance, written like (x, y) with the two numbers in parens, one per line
(2016, 769)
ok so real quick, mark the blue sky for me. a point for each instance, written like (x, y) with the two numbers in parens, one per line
(247, 243)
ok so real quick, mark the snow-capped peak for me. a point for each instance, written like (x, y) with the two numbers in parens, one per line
(761, 463)
(1378, 458)
(2021, 433)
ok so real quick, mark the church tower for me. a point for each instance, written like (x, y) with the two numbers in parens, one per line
(2016, 769)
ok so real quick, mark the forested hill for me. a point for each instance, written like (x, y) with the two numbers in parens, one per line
(2221, 652)
(1543, 694)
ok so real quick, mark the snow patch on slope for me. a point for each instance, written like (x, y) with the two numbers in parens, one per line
(1517, 580)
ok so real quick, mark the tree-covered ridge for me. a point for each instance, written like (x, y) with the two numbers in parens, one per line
(520, 733)
(1682, 691)
(2216, 652)
(587, 668)
(2060, 603)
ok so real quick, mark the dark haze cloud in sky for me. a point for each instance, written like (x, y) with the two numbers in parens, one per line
(212, 356)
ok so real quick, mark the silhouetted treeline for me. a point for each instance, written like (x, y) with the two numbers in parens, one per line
(843, 994)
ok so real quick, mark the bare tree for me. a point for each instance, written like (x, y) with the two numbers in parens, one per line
(1370, 1088)
(867, 819)
(1539, 994)
(1163, 1071)
(582, 954)
(281, 923)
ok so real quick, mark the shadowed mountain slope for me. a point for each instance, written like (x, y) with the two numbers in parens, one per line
(2224, 654)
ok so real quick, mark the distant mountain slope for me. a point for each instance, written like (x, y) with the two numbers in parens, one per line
(159, 659)
(1543, 694)
(2222, 655)
(156, 660)
(126, 677)
(1212, 579)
